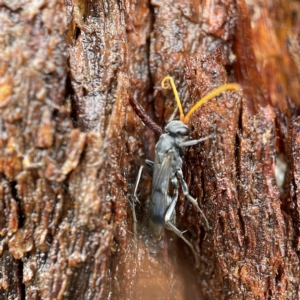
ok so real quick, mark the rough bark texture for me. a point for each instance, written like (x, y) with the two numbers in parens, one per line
(71, 146)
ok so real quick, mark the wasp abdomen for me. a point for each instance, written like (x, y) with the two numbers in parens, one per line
(157, 214)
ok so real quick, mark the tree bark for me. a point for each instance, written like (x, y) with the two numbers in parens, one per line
(71, 146)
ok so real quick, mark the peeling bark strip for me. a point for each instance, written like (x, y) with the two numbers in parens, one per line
(211, 169)
(262, 218)
(71, 146)
(240, 195)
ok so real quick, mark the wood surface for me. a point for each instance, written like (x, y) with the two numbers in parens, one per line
(71, 147)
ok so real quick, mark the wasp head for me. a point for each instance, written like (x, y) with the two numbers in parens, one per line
(177, 129)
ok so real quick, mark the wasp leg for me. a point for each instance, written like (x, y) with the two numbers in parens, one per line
(185, 190)
(194, 142)
(172, 204)
(134, 193)
(169, 219)
(150, 164)
(172, 227)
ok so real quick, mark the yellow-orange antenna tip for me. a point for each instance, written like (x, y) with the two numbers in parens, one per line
(214, 93)
(171, 80)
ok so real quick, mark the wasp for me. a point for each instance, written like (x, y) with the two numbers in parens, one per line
(166, 170)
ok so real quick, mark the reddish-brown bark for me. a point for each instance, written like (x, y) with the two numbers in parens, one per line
(71, 146)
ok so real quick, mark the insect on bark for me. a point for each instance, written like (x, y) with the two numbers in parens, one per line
(166, 168)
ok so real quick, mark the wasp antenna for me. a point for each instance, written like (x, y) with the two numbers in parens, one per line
(175, 94)
(214, 93)
(173, 114)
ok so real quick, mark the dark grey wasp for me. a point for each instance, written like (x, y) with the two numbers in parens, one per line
(166, 168)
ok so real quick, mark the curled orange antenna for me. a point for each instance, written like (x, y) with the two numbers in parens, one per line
(212, 94)
(175, 94)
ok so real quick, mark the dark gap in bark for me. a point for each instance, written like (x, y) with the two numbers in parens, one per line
(108, 107)
(22, 286)
(85, 92)
(70, 95)
(280, 272)
(202, 235)
(247, 243)
(268, 294)
(237, 162)
(221, 223)
(236, 153)
(77, 33)
(241, 222)
(14, 192)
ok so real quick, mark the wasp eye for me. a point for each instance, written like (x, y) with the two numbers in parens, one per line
(183, 131)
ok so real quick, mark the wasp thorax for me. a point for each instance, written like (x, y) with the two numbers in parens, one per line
(177, 128)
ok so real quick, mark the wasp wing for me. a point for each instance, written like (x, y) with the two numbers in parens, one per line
(160, 194)
(162, 173)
